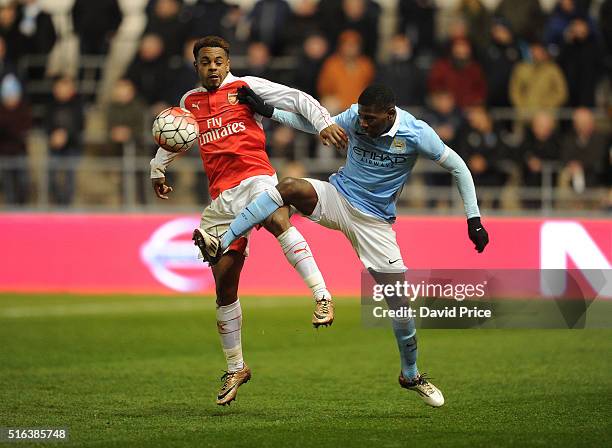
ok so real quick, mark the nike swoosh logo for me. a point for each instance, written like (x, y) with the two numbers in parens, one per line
(227, 392)
(394, 261)
(420, 392)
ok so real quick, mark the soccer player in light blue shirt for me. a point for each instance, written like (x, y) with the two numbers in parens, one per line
(359, 200)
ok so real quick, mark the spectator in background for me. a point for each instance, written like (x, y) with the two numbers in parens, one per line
(401, 73)
(537, 83)
(15, 122)
(9, 30)
(526, 17)
(582, 151)
(36, 28)
(258, 62)
(481, 145)
(417, 21)
(165, 20)
(478, 19)
(36, 34)
(6, 66)
(444, 116)
(501, 56)
(125, 118)
(446, 119)
(213, 17)
(182, 76)
(151, 4)
(268, 20)
(459, 74)
(314, 51)
(564, 14)
(64, 125)
(95, 23)
(581, 60)
(329, 12)
(149, 72)
(346, 72)
(541, 145)
(361, 16)
(457, 30)
(305, 21)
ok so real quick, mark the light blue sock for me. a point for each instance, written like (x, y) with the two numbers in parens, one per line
(405, 334)
(256, 212)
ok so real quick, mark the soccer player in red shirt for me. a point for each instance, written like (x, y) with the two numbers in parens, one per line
(232, 147)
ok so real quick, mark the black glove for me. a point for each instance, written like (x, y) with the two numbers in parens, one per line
(477, 234)
(254, 101)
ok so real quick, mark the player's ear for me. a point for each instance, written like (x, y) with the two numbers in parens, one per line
(228, 64)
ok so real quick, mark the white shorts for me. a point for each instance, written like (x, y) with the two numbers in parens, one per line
(372, 238)
(217, 217)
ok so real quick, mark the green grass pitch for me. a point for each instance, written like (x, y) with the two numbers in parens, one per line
(144, 371)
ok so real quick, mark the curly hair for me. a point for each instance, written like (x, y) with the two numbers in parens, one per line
(210, 42)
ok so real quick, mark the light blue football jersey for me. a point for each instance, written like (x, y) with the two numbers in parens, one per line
(376, 169)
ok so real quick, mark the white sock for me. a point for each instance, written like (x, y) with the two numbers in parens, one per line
(298, 254)
(229, 326)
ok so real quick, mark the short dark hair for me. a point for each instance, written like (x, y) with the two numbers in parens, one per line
(378, 95)
(210, 42)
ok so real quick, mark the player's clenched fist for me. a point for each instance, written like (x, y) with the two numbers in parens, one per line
(160, 187)
(334, 135)
(477, 234)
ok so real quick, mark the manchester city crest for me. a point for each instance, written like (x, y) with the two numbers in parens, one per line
(398, 145)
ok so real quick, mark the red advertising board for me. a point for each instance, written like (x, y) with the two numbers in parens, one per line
(154, 253)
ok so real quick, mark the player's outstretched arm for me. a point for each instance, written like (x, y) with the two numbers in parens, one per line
(332, 134)
(293, 120)
(329, 136)
(454, 164)
(294, 100)
(159, 163)
(432, 147)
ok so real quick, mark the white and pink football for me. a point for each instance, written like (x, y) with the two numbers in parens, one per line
(175, 129)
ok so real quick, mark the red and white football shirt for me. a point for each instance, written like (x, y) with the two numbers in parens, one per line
(232, 141)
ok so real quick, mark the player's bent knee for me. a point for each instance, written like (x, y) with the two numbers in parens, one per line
(289, 189)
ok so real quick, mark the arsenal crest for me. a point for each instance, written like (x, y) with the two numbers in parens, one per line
(232, 98)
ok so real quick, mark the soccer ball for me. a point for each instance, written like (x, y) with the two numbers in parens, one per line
(175, 129)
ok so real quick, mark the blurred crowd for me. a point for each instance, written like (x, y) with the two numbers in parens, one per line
(512, 89)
